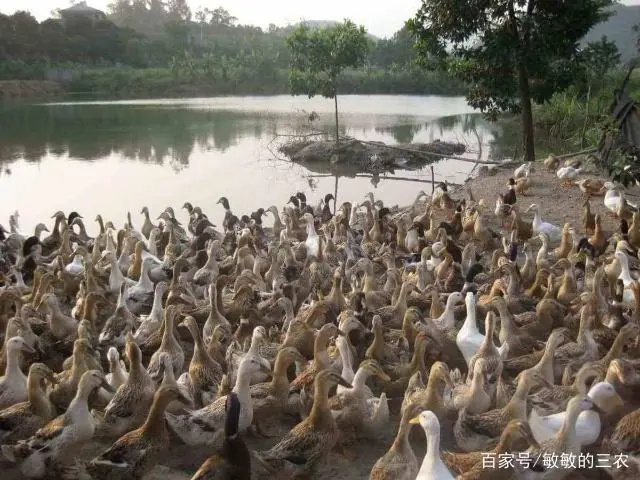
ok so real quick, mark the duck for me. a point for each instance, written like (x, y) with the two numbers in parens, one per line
(233, 459)
(204, 372)
(308, 443)
(272, 398)
(429, 397)
(478, 431)
(588, 422)
(23, 419)
(61, 326)
(169, 345)
(57, 441)
(129, 405)
(199, 427)
(523, 170)
(592, 187)
(568, 175)
(469, 337)
(472, 396)
(554, 232)
(13, 385)
(512, 436)
(136, 453)
(351, 407)
(432, 468)
(399, 462)
(509, 198)
(565, 442)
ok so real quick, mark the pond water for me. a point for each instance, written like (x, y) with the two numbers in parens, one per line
(114, 157)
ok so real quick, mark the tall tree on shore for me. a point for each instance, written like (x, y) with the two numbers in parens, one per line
(319, 56)
(509, 52)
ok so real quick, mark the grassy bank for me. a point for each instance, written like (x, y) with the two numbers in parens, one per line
(575, 116)
(139, 83)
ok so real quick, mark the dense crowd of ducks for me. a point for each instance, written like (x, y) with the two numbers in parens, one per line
(495, 331)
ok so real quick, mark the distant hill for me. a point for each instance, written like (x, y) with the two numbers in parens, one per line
(619, 28)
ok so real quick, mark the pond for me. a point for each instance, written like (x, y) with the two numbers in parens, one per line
(115, 157)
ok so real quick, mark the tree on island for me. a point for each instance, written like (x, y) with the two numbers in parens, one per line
(319, 56)
(508, 52)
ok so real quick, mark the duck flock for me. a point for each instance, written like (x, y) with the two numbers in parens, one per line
(500, 334)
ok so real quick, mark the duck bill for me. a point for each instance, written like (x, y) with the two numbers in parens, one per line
(415, 420)
(28, 348)
(383, 376)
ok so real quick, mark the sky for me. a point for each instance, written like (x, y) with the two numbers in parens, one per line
(381, 19)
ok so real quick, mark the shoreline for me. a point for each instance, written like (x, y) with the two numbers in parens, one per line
(558, 205)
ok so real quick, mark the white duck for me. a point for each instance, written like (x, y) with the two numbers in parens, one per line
(117, 375)
(432, 468)
(588, 423)
(568, 174)
(625, 275)
(76, 267)
(313, 241)
(523, 170)
(13, 385)
(554, 232)
(346, 357)
(469, 337)
(116, 278)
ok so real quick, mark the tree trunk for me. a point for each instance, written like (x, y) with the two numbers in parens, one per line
(527, 116)
(335, 102)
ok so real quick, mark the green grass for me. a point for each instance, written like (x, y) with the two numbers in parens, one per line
(568, 116)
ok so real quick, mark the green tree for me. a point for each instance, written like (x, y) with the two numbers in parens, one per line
(509, 52)
(319, 56)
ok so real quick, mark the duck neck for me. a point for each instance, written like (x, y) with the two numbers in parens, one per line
(167, 337)
(507, 325)
(37, 396)
(417, 361)
(280, 381)
(320, 412)
(401, 442)
(360, 379)
(241, 388)
(199, 350)
(545, 365)
(155, 424)
(487, 343)
(568, 429)
(616, 349)
(625, 275)
(137, 372)
(156, 310)
(433, 445)
(13, 363)
(449, 317)
(518, 403)
(320, 354)
(470, 324)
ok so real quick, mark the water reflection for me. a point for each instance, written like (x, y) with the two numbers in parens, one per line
(90, 157)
